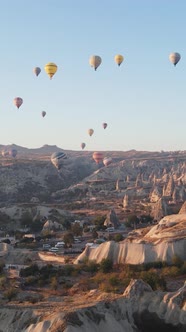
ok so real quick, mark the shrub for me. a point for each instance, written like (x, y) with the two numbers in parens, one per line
(153, 279)
(10, 293)
(177, 261)
(54, 283)
(29, 271)
(183, 268)
(106, 265)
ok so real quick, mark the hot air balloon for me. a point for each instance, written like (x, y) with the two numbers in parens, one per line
(95, 61)
(57, 159)
(50, 69)
(107, 161)
(43, 114)
(90, 132)
(118, 59)
(83, 145)
(13, 153)
(98, 157)
(174, 58)
(5, 153)
(104, 125)
(37, 71)
(18, 101)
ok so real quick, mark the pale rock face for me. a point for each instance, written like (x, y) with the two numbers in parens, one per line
(161, 243)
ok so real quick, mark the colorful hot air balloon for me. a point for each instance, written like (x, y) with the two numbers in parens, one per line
(118, 59)
(57, 159)
(83, 145)
(43, 114)
(174, 58)
(5, 153)
(90, 132)
(13, 153)
(104, 125)
(107, 161)
(37, 71)
(95, 61)
(98, 157)
(50, 69)
(18, 101)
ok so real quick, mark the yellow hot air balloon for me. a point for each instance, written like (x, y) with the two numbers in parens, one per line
(95, 61)
(90, 132)
(118, 59)
(50, 69)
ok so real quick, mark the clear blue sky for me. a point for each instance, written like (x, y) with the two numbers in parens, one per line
(143, 101)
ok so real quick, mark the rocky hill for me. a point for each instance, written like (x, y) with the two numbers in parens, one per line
(138, 309)
(137, 181)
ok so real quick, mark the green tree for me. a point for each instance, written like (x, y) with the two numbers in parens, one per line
(118, 237)
(68, 239)
(76, 229)
(132, 221)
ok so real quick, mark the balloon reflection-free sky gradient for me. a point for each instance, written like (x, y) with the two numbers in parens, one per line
(143, 101)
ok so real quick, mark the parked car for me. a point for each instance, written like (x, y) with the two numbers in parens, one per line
(53, 249)
(60, 244)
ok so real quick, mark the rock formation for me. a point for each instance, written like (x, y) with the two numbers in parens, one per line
(112, 220)
(161, 243)
(138, 309)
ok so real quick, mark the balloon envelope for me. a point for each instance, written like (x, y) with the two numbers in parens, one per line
(13, 153)
(98, 157)
(37, 71)
(43, 114)
(18, 101)
(90, 132)
(104, 125)
(50, 69)
(57, 159)
(107, 161)
(174, 58)
(83, 145)
(118, 59)
(95, 61)
(5, 153)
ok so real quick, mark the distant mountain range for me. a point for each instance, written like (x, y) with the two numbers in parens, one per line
(46, 150)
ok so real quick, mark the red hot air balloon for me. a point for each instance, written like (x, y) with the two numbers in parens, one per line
(98, 157)
(83, 145)
(18, 101)
(104, 125)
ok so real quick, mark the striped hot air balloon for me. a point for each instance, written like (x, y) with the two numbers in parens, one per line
(57, 159)
(50, 69)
